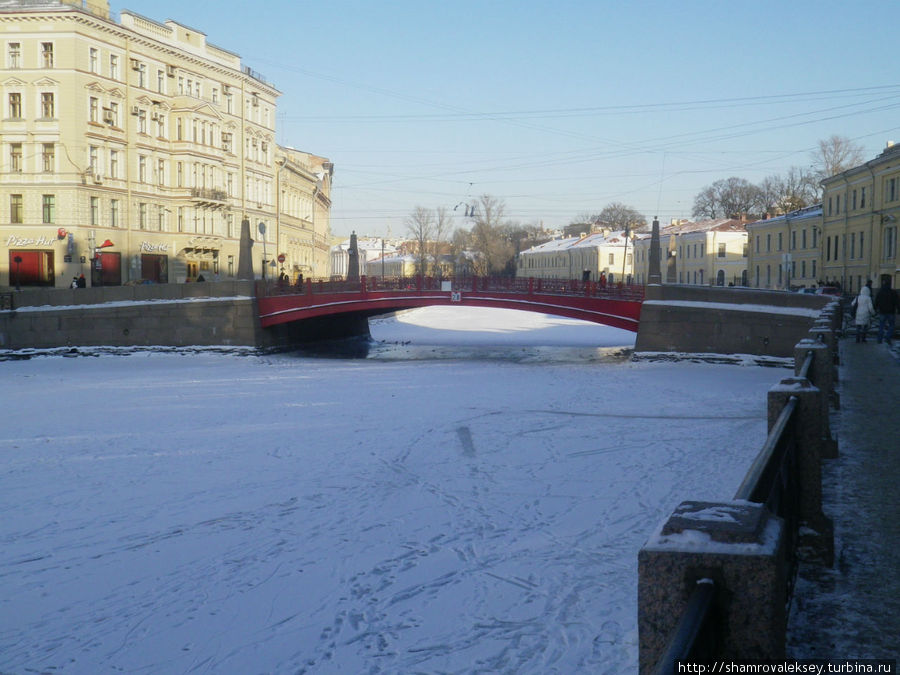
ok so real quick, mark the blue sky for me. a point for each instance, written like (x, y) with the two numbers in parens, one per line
(557, 108)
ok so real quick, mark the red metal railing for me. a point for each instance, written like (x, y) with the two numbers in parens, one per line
(525, 286)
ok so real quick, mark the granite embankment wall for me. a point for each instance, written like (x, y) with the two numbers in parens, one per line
(703, 319)
(176, 315)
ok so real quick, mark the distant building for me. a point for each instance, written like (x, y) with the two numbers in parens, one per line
(586, 257)
(703, 253)
(370, 248)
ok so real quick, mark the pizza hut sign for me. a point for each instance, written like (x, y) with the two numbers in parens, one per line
(18, 242)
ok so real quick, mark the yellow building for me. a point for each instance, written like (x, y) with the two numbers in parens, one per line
(130, 151)
(861, 212)
(304, 208)
(703, 253)
(588, 257)
(785, 251)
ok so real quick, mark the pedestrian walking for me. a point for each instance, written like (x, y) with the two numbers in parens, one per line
(864, 313)
(887, 304)
(82, 282)
(74, 283)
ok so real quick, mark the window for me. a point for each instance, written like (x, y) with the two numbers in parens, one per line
(229, 104)
(142, 75)
(15, 208)
(114, 212)
(768, 243)
(813, 274)
(229, 185)
(862, 198)
(853, 245)
(114, 66)
(612, 258)
(47, 54)
(892, 190)
(837, 204)
(215, 95)
(142, 215)
(14, 55)
(781, 241)
(48, 203)
(93, 109)
(180, 84)
(829, 206)
(113, 163)
(161, 219)
(95, 210)
(179, 129)
(803, 269)
(160, 172)
(48, 157)
(15, 157)
(889, 251)
(114, 114)
(853, 203)
(48, 107)
(142, 121)
(15, 105)
(226, 141)
(721, 250)
(161, 81)
(179, 174)
(861, 244)
(794, 240)
(94, 59)
(181, 219)
(827, 248)
(746, 250)
(803, 238)
(142, 168)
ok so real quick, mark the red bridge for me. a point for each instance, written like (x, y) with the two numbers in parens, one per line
(618, 306)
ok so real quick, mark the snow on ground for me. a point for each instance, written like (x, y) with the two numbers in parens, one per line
(168, 513)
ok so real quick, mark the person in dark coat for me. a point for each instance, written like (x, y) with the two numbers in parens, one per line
(887, 304)
(82, 282)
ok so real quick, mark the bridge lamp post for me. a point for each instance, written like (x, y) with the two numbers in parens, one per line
(262, 233)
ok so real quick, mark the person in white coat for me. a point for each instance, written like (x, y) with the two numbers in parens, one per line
(865, 310)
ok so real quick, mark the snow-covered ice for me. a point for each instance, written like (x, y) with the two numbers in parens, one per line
(167, 513)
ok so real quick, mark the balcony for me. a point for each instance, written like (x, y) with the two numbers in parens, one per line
(209, 198)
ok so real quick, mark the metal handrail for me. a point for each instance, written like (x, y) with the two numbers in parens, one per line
(694, 620)
(764, 467)
(807, 365)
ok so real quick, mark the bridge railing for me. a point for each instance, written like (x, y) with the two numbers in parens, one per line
(716, 579)
(464, 284)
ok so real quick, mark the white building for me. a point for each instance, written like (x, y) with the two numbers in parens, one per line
(599, 253)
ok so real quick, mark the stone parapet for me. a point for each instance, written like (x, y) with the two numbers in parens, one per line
(740, 547)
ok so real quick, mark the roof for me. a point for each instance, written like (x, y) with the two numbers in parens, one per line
(806, 213)
(595, 239)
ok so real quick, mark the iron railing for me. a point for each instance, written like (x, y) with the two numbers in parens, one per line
(463, 284)
(772, 480)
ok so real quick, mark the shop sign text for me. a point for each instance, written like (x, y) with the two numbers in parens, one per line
(13, 240)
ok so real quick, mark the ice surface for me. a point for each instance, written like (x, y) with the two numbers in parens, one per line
(167, 513)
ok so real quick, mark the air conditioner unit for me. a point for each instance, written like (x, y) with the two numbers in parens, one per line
(98, 179)
(170, 71)
(108, 117)
(226, 89)
(135, 64)
(135, 110)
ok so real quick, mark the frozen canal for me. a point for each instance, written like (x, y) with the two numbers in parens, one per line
(218, 513)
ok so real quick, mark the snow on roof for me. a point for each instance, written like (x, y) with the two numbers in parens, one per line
(594, 239)
(808, 212)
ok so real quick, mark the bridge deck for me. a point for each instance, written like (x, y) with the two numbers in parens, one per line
(618, 306)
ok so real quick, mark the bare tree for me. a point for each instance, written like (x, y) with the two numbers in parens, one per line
(729, 198)
(443, 221)
(835, 155)
(493, 250)
(785, 193)
(420, 225)
(618, 216)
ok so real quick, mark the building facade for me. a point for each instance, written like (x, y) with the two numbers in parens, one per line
(785, 251)
(861, 211)
(132, 150)
(703, 253)
(588, 257)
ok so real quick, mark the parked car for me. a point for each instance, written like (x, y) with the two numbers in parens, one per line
(828, 290)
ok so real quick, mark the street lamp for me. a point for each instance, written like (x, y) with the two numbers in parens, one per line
(262, 233)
